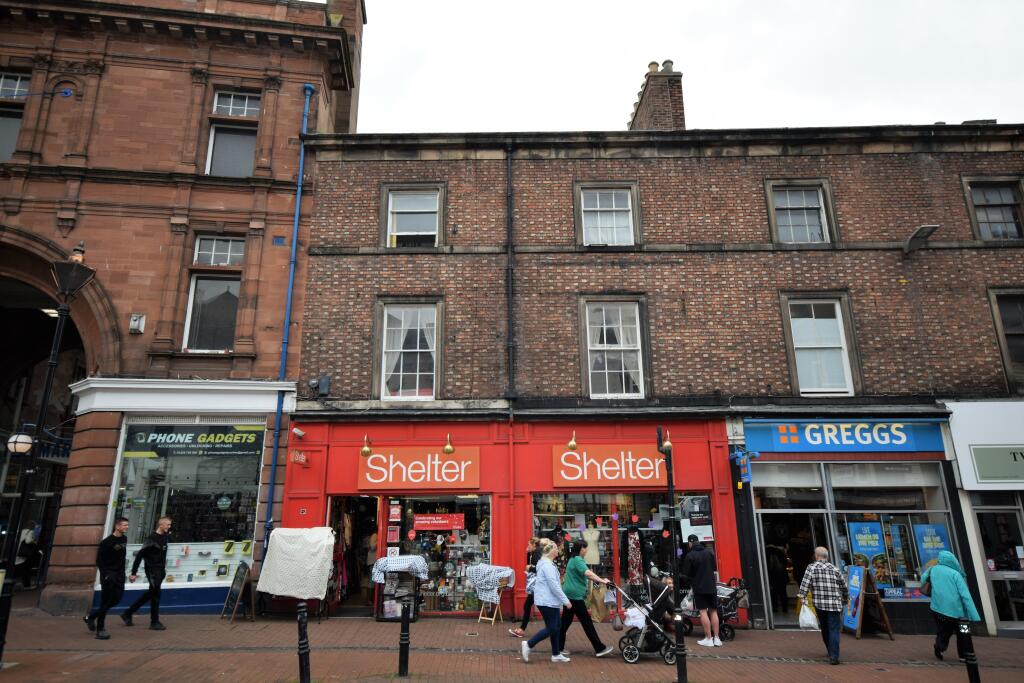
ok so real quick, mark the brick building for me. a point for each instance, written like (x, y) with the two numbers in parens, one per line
(165, 135)
(523, 309)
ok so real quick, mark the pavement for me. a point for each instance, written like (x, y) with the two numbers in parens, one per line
(204, 648)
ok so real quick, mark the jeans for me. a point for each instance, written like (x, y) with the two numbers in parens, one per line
(579, 609)
(527, 609)
(552, 629)
(831, 624)
(945, 628)
(111, 592)
(152, 595)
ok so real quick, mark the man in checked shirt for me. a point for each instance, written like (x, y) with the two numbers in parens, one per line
(830, 598)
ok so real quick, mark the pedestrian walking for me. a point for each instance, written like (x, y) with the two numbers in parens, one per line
(532, 557)
(575, 588)
(549, 598)
(110, 558)
(28, 554)
(699, 567)
(830, 597)
(154, 553)
(950, 601)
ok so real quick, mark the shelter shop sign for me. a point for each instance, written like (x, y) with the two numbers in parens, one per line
(161, 441)
(420, 468)
(608, 465)
(843, 436)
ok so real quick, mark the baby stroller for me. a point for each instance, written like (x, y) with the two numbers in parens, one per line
(646, 634)
(731, 596)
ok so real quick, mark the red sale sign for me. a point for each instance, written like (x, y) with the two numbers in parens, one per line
(443, 522)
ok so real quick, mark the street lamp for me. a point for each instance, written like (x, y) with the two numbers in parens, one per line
(665, 448)
(70, 277)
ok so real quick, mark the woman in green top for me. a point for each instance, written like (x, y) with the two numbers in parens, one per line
(574, 585)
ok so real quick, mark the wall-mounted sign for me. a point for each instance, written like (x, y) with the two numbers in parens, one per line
(443, 522)
(999, 463)
(842, 436)
(422, 467)
(161, 441)
(608, 465)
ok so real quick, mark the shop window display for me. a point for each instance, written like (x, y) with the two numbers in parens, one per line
(450, 533)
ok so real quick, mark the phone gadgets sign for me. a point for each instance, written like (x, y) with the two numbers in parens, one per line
(843, 436)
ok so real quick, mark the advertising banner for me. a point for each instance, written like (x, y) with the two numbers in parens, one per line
(696, 517)
(867, 544)
(161, 441)
(855, 584)
(842, 436)
(456, 520)
(931, 539)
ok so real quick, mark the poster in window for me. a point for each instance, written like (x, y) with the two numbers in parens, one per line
(868, 547)
(393, 532)
(394, 512)
(931, 539)
(696, 517)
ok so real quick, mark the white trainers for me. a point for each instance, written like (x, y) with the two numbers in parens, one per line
(707, 642)
(605, 652)
(564, 653)
(718, 642)
(525, 649)
(560, 658)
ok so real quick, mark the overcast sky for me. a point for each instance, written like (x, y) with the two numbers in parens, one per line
(529, 65)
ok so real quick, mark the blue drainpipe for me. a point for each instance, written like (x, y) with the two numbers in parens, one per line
(268, 525)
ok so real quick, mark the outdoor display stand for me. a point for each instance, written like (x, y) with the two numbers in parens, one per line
(400, 576)
(241, 592)
(865, 604)
(489, 581)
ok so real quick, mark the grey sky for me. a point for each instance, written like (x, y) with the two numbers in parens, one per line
(528, 65)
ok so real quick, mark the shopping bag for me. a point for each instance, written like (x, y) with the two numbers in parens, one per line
(688, 601)
(635, 618)
(808, 621)
(598, 607)
(617, 621)
(531, 581)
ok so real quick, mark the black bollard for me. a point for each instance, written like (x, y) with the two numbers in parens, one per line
(303, 643)
(403, 641)
(681, 674)
(965, 644)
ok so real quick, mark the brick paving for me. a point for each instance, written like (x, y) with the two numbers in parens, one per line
(203, 648)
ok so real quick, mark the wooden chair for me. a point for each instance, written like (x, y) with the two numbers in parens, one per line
(496, 614)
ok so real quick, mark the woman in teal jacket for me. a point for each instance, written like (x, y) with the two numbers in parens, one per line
(951, 601)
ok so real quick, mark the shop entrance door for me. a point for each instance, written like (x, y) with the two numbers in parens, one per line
(787, 541)
(1003, 544)
(354, 520)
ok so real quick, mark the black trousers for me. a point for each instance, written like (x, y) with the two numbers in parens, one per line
(151, 595)
(111, 592)
(527, 608)
(579, 610)
(946, 628)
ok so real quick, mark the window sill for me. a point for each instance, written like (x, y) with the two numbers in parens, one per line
(613, 248)
(190, 353)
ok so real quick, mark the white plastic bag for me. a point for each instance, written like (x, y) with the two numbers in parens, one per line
(808, 621)
(635, 618)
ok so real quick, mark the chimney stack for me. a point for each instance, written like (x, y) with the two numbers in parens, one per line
(660, 103)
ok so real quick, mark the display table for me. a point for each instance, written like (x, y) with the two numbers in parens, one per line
(488, 581)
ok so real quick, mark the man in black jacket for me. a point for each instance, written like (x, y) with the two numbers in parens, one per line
(154, 552)
(110, 558)
(699, 568)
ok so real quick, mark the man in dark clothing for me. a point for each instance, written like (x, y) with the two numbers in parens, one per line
(154, 552)
(110, 558)
(699, 568)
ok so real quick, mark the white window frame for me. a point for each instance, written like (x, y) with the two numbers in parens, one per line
(628, 210)
(191, 300)
(215, 239)
(591, 349)
(213, 139)
(843, 346)
(384, 352)
(822, 213)
(19, 80)
(233, 94)
(392, 236)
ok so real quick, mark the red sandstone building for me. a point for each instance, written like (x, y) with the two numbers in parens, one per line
(166, 136)
(486, 311)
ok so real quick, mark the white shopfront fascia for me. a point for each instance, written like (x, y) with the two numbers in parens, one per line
(168, 396)
(985, 424)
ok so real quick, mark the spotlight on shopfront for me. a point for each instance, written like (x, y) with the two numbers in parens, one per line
(448, 447)
(572, 442)
(918, 238)
(366, 451)
(19, 443)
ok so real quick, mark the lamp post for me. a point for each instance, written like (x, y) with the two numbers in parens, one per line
(665, 448)
(70, 277)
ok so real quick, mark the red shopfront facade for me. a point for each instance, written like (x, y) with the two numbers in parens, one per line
(398, 488)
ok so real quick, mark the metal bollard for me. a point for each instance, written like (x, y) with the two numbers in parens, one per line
(965, 644)
(681, 674)
(403, 642)
(303, 643)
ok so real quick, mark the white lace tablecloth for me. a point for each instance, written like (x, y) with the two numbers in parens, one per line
(413, 564)
(485, 578)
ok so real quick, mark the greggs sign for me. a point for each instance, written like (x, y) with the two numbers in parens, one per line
(420, 468)
(608, 465)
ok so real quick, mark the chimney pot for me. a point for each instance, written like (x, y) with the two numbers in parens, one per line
(659, 103)
(652, 68)
(666, 66)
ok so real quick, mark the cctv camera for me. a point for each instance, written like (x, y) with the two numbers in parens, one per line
(298, 432)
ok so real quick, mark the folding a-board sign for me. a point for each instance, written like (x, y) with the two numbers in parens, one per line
(864, 603)
(238, 592)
